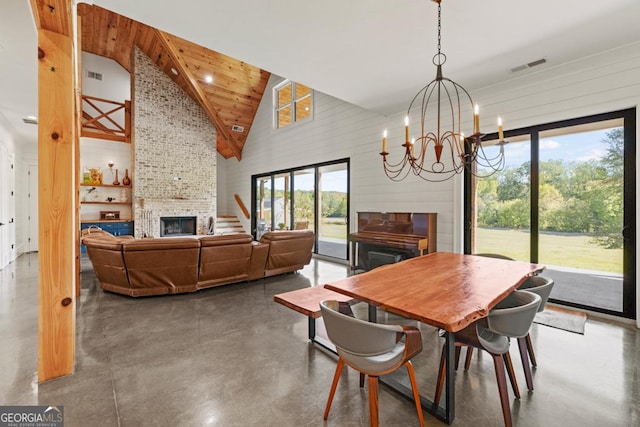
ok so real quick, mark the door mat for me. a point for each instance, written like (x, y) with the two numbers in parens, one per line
(568, 320)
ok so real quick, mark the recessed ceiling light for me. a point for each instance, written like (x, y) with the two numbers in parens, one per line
(208, 78)
(174, 71)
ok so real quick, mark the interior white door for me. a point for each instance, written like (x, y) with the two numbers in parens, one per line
(11, 208)
(33, 208)
(4, 178)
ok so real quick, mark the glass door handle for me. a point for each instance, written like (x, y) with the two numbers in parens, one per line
(627, 233)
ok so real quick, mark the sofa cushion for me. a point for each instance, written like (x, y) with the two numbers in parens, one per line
(162, 265)
(225, 239)
(224, 259)
(108, 262)
(288, 250)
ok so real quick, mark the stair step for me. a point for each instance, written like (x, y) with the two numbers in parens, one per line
(227, 224)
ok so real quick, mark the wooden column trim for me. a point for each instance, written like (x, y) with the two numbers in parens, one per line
(57, 193)
(183, 68)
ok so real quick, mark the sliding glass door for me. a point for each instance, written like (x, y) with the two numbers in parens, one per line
(314, 197)
(572, 200)
(332, 205)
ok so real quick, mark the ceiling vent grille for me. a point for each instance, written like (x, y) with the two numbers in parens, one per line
(237, 128)
(94, 75)
(528, 65)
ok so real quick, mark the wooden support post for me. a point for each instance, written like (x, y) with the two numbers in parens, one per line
(57, 150)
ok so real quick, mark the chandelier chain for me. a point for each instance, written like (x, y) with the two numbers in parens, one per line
(439, 27)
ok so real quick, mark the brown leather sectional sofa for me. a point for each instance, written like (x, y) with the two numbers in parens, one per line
(156, 266)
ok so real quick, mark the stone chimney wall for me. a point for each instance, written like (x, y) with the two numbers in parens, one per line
(174, 152)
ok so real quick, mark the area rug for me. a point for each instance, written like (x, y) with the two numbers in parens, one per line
(568, 320)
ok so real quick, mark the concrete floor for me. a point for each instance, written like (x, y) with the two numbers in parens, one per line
(230, 356)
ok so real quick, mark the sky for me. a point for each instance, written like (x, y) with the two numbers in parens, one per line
(578, 147)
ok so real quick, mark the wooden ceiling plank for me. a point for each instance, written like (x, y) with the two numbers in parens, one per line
(237, 89)
(229, 98)
(203, 100)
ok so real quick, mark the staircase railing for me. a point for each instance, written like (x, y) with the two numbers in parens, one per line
(102, 118)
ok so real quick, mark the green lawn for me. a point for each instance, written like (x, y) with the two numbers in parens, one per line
(335, 228)
(562, 249)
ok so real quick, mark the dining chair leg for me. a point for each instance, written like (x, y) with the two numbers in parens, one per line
(458, 350)
(441, 377)
(522, 345)
(373, 400)
(512, 376)
(467, 360)
(336, 378)
(502, 389)
(414, 387)
(532, 354)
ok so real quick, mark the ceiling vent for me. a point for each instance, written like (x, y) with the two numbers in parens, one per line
(237, 128)
(528, 65)
(94, 75)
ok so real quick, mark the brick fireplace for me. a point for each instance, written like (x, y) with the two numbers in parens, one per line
(174, 153)
(177, 226)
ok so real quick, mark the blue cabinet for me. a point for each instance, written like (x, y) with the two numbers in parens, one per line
(117, 228)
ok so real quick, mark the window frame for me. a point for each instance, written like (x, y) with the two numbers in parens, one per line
(292, 104)
(629, 251)
(291, 172)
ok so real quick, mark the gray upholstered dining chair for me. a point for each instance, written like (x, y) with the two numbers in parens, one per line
(542, 286)
(372, 349)
(510, 318)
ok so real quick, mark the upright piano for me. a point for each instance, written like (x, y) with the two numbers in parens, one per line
(386, 237)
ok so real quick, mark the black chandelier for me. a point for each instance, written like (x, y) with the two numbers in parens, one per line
(452, 151)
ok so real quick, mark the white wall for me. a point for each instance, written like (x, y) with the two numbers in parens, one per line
(115, 84)
(601, 83)
(338, 130)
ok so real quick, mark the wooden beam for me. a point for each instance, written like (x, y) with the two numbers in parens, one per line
(57, 191)
(183, 68)
(78, 125)
(53, 15)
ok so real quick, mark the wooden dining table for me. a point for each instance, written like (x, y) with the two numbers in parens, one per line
(445, 290)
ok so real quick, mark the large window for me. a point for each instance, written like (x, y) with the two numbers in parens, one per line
(565, 199)
(313, 197)
(293, 102)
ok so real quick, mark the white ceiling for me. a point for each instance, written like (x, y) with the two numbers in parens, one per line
(372, 53)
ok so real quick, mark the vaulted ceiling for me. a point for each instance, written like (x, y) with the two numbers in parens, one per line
(375, 54)
(231, 99)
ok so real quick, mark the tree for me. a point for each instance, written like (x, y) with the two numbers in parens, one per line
(513, 183)
(606, 196)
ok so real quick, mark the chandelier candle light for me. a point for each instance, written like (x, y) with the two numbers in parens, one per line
(447, 98)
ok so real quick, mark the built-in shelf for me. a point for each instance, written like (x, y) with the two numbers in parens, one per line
(105, 185)
(106, 203)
